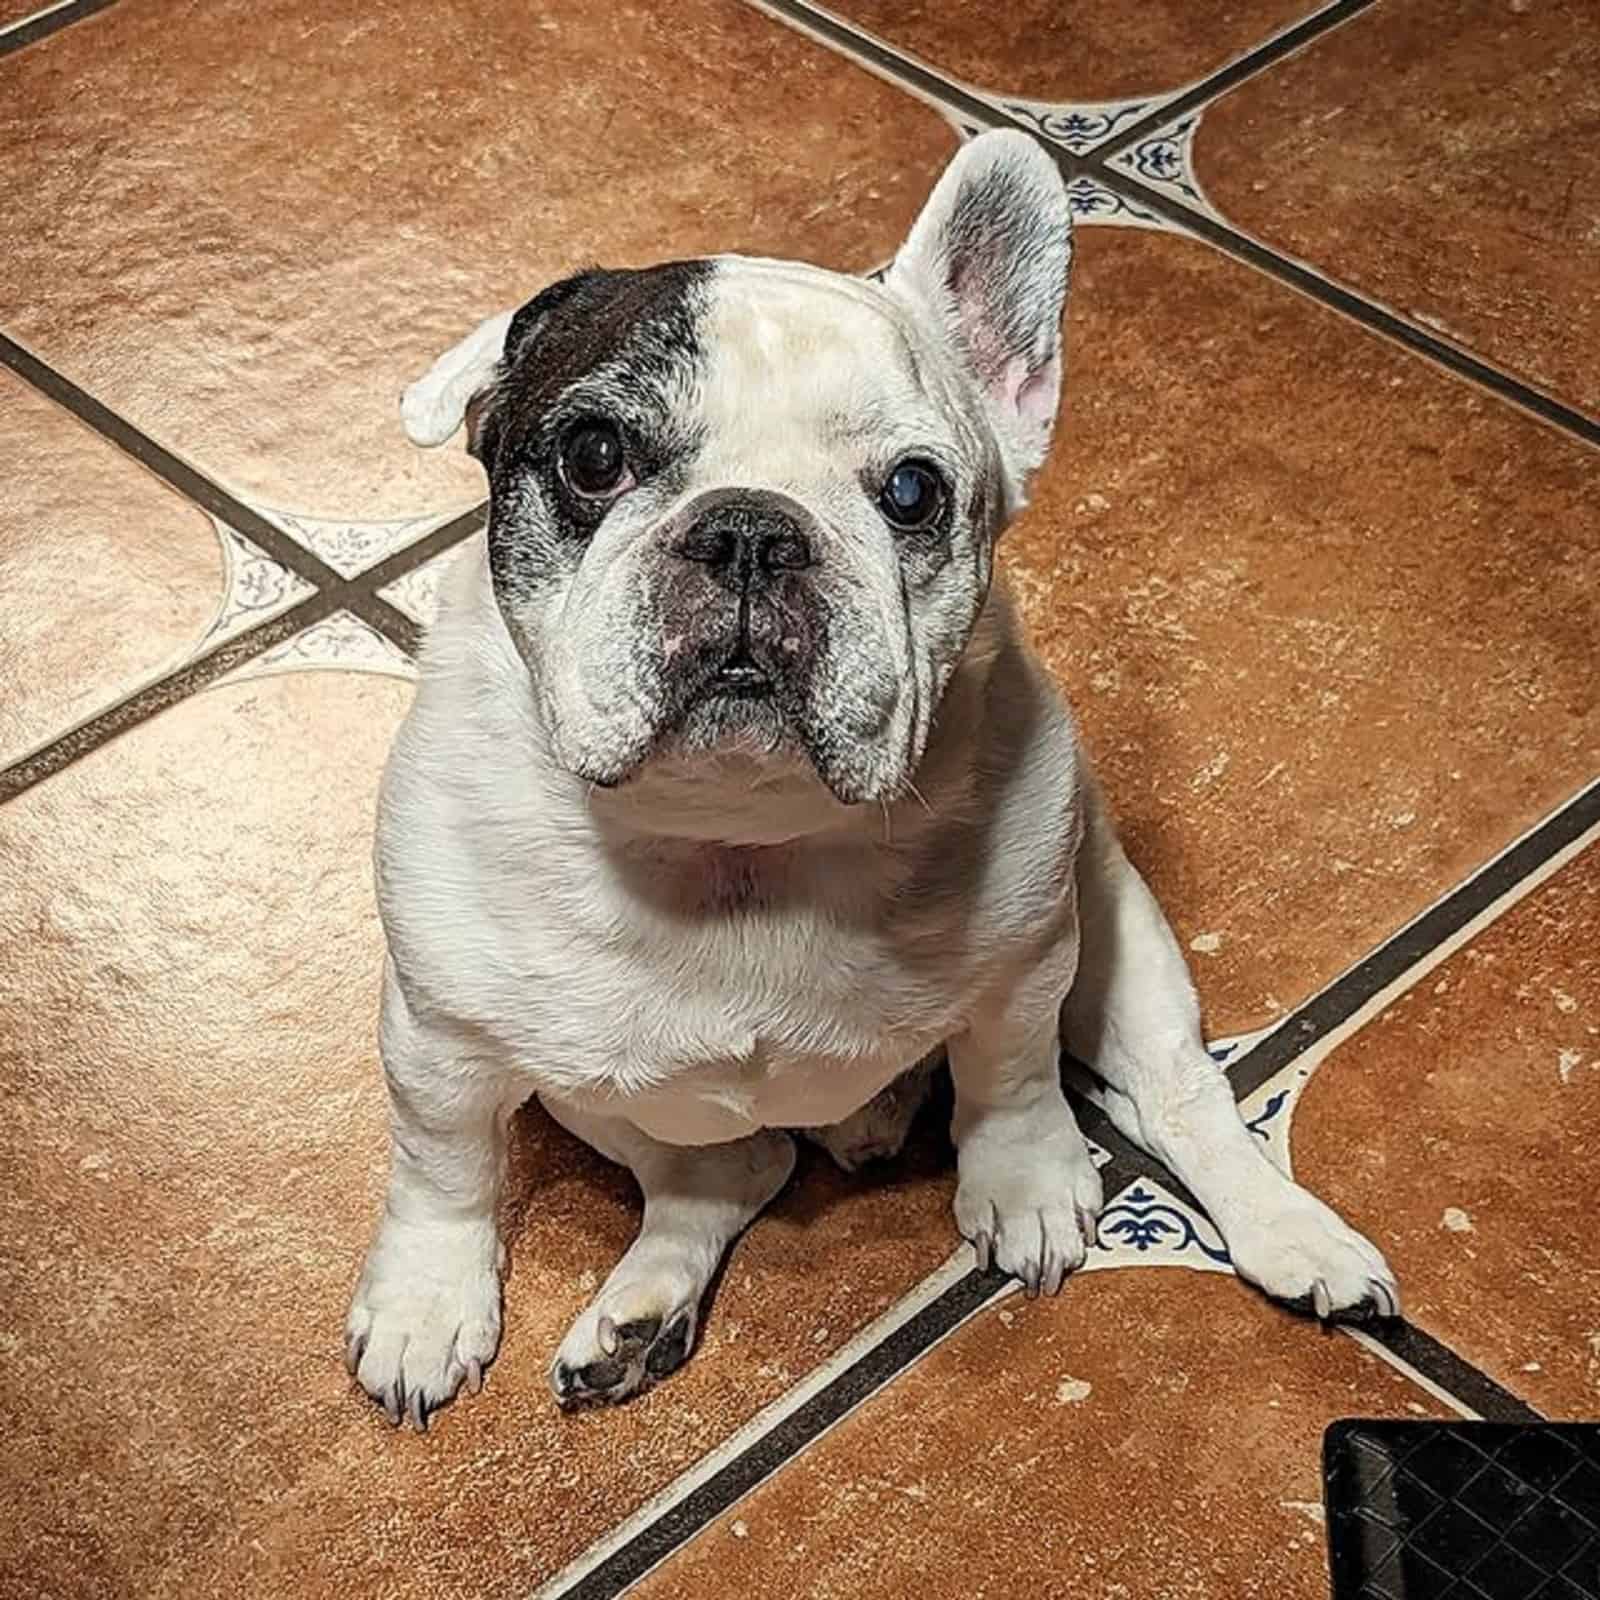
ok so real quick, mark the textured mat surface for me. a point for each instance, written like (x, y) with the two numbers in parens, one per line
(1464, 1510)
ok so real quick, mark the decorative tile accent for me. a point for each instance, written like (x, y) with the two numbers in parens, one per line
(1269, 1112)
(1147, 1226)
(340, 643)
(1080, 128)
(1164, 160)
(351, 547)
(416, 593)
(254, 588)
(1089, 200)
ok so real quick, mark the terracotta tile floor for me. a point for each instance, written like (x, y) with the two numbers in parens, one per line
(1317, 561)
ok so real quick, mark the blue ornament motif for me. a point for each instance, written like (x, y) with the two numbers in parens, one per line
(1142, 1221)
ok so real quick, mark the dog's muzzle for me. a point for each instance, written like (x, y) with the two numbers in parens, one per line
(750, 548)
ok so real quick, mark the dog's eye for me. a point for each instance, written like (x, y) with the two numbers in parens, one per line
(912, 496)
(593, 460)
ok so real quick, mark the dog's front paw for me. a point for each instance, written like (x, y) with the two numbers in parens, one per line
(639, 1328)
(1300, 1252)
(426, 1315)
(1028, 1201)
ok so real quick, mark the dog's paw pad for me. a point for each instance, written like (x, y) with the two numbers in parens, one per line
(601, 1361)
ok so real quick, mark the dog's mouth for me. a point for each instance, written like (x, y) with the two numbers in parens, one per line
(740, 677)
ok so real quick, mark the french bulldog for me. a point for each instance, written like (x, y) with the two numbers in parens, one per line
(731, 794)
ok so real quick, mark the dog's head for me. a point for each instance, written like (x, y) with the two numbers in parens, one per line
(751, 505)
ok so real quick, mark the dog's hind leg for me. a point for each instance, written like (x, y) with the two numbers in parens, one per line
(1132, 1016)
(878, 1130)
(697, 1200)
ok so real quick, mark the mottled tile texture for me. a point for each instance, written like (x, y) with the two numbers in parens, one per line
(106, 577)
(1086, 51)
(1150, 1433)
(1461, 1129)
(1442, 156)
(1328, 616)
(271, 259)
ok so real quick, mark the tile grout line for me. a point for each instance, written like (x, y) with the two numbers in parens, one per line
(1345, 1005)
(1375, 318)
(1427, 1361)
(50, 19)
(202, 491)
(937, 1283)
(883, 60)
(204, 669)
(159, 695)
(957, 100)
(1231, 74)
(357, 594)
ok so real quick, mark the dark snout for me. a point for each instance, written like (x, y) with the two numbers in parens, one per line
(740, 598)
(744, 543)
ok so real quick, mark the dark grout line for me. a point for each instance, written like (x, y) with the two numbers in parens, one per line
(176, 473)
(161, 695)
(356, 594)
(1420, 1351)
(765, 1456)
(1373, 317)
(1346, 995)
(853, 42)
(335, 592)
(1441, 1365)
(43, 23)
(1233, 74)
(424, 549)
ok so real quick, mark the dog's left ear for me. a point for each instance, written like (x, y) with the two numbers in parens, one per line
(988, 262)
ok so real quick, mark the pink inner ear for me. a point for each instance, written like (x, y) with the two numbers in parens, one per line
(1033, 395)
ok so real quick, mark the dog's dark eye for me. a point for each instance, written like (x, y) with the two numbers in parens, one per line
(592, 459)
(912, 496)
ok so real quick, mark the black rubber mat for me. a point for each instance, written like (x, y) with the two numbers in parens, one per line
(1463, 1510)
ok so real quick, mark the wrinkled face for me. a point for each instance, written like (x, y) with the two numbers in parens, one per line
(737, 504)
(750, 506)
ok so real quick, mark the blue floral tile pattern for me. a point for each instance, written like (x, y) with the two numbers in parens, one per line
(1146, 1226)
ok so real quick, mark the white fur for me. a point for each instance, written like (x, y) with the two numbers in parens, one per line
(720, 948)
(432, 408)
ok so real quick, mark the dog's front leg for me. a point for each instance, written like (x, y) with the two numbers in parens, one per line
(426, 1314)
(697, 1200)
(1028, 1194)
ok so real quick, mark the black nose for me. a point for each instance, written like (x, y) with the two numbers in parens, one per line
(746, 542)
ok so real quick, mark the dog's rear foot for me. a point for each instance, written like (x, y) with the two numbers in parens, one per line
(877, 1132)
(641, 1325)
(604, 1359)
(1302, 1253)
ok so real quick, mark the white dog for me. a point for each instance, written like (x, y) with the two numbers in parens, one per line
(731, 792)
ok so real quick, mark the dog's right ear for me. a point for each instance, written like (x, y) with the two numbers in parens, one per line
(433, 407)
(459, 385)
